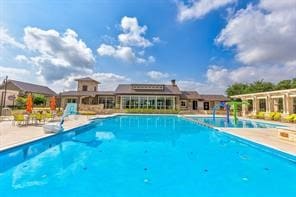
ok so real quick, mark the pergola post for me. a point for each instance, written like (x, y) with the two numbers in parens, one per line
(255, 105)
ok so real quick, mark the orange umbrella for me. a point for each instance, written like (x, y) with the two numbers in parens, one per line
(52, 103)
(29, 104)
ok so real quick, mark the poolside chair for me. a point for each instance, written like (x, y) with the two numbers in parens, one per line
(48, 116)
(19, 119)
(39, 118)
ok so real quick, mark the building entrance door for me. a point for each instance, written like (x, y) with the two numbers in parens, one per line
(194, 105)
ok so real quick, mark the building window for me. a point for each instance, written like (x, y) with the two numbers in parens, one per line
(147, 102)
(107, 101)
(183, 103)
(84, 88)
(206, 105)
(95, 88)
(71, 100)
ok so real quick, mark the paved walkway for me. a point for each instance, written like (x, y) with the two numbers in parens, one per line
(266, 136)
(11, 135)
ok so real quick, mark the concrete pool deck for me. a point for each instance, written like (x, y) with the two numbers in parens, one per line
(14, 135)
(265, 136)
(11, 135)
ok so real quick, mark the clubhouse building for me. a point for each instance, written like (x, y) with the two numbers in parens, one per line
(144, 96)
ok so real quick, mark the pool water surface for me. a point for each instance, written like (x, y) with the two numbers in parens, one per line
(144, 156)
(241, 123)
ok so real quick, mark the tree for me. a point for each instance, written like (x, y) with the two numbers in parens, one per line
(39, 99)
(260, 86)
(237, 88)
(20, 102)
(284, 84)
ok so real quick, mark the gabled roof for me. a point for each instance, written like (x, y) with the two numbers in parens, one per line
(87, 79)
(190, 95)
(212, 97)
(166, 90)
(29, 87)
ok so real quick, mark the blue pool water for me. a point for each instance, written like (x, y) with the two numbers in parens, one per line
(222, 122)
(144, 156)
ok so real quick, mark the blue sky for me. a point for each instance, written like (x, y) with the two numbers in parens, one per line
(204, 44)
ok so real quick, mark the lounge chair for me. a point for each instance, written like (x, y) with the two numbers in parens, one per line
(19, 119)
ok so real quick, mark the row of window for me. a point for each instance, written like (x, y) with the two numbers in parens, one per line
(148, 102)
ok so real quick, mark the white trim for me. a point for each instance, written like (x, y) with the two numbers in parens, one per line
(262, 93)
(282, 96)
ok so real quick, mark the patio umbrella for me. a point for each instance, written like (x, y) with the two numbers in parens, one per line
(29, 104)
(52, 103)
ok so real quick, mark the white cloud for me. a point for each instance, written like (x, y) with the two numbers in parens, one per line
(133, 33)
(8, 40)
(123, 53)
(156, 75)
(199, 8)
(57, 55)
(14, 73)
(129, 41)
(109, 81)
(263, 34)
(22, 59)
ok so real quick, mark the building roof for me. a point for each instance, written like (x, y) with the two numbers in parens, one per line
(190, 95)
(79, 93)
(34, 88)
(87, 79)
(155, 89)
(105, 93)
(212, 97)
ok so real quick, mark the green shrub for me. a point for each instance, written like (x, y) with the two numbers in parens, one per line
(20, 102)
(271, 115)
(277, 116)
(260, 115)
(89, 113)
(39, 99)
(290, 118)
(152, 111)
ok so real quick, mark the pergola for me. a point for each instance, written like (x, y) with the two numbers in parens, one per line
(273, 101)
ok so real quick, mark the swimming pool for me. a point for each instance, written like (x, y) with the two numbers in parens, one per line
(144, 156)
(222, 122)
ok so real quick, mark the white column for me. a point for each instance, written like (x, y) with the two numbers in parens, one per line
(243, 108)
(286, 103)
(268, 104)
(255, 105)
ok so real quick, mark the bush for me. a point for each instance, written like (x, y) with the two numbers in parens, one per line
(290, 118)
(39, 99)
(89, 113)
(260, 115)
(152, 111)
(277, 116)
(20, 102)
